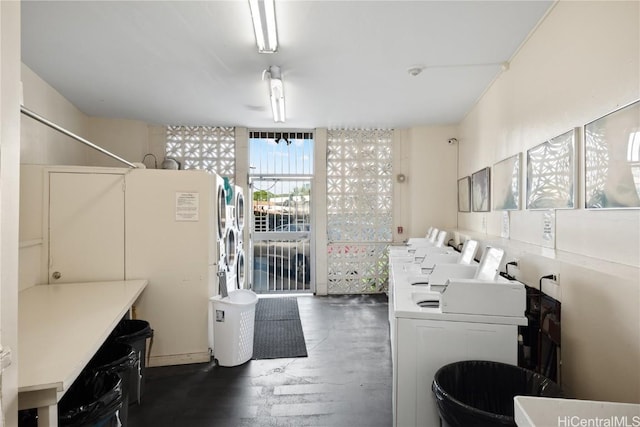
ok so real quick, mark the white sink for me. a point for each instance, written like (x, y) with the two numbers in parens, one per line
(433, 298)
(532, 411)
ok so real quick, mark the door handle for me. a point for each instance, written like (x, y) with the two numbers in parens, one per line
(56, 275)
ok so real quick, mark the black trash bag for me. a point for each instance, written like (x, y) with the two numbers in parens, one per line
(129, 330)
(28, 418)
(134, 332)
(480, 393)
(113, 358)
(94, 398)
(120, 359)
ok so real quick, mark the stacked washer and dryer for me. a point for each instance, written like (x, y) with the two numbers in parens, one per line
(241, 266)
(234, 311)
(221, 228)
(234, 241)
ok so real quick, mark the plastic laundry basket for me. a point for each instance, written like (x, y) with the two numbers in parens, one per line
(233, 323)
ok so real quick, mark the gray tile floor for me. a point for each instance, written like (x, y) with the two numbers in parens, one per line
(345, 381)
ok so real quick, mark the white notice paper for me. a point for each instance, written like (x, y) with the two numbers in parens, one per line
(549, 229)
(505, 232)
(187, 206)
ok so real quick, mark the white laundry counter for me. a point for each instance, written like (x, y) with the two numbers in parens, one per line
(60, 329)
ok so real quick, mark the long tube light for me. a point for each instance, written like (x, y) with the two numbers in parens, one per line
(263, 15)
(276, 93)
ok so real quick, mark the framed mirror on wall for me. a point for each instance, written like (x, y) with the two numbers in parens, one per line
(481, 190)
(506, 183)
(551, 173)
(612, 160)
(464, 194)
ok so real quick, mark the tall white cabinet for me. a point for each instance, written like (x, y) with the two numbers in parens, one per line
(171, 240)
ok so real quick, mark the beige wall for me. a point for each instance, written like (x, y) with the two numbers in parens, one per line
(428, 196)
(41, 144)
(9, 193)
(129, 139)
(582, 62)
(319, 220)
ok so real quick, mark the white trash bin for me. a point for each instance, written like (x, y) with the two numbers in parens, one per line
(233, 324)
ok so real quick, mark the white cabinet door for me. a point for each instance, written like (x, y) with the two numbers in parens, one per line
(86, 227)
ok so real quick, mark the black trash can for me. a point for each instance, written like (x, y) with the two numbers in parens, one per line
(120, 359)
(135, 333)
(28, 418)
(480, 393)
(94, 399)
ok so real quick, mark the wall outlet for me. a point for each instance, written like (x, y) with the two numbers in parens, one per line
(552, 287)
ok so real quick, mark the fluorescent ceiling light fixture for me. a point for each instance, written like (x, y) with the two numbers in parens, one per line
(276, 93)
(263, 15)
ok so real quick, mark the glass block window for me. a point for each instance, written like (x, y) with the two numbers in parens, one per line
(210, 148)
(359, 210)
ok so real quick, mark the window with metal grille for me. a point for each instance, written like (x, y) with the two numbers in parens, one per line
(209, 148)
(280, 153)
(359, 210)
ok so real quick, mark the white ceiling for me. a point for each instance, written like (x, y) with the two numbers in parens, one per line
(344, 63)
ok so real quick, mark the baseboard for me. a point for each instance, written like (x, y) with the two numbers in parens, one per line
(179, 359)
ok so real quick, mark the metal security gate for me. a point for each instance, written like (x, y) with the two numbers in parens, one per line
(281, 237)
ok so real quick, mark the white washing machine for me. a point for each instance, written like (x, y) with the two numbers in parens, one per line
(239, 223)
(241, 272)
(219, 264)
(468, 320)
(223, 225)
(222, 220)
(231, 248)
(221, 207)
(238, 202)
(231, 216)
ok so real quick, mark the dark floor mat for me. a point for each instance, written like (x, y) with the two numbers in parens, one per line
(278, 332)
(277, 309)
